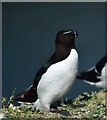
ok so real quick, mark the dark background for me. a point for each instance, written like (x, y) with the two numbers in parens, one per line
(29, 31)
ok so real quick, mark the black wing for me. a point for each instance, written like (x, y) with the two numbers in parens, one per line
(89, 75)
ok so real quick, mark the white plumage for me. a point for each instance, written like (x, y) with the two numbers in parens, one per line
(57, 81)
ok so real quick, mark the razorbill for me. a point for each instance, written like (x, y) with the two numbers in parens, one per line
(65, 55)
(96, 75)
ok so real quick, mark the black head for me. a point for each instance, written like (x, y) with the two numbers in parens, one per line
(66, 38)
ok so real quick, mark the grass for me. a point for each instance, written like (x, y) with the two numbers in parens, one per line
(92, 106)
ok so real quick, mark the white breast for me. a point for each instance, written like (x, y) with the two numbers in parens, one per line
(58, 79)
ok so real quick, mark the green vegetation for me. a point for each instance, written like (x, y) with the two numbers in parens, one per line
(87, 105)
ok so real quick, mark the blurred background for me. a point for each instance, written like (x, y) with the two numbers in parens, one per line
(29, 31)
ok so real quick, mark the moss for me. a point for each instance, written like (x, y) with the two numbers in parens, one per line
(87, 105)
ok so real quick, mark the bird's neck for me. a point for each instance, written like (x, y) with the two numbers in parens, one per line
(63, 52)
(72, 58)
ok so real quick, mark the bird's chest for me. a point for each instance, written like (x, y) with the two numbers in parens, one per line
(62, 71)
(61, 75)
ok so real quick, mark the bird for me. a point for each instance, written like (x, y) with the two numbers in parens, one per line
(96, 75)
(54, 79)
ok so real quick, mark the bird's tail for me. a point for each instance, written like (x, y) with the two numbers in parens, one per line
(29, 95)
